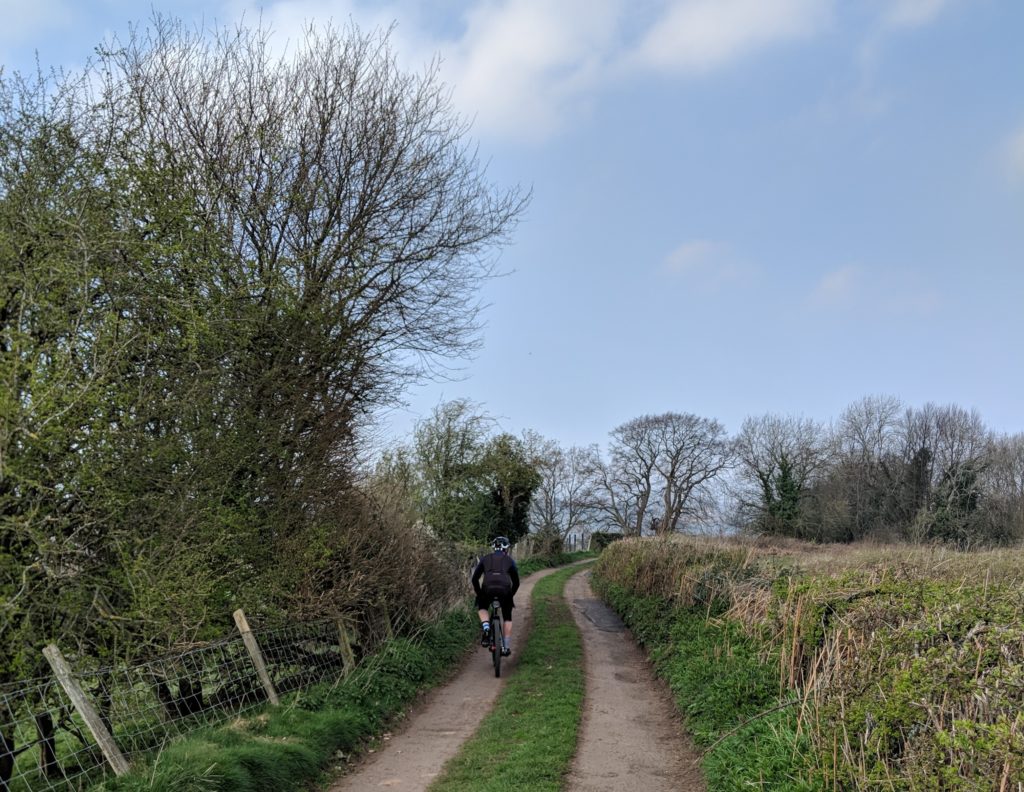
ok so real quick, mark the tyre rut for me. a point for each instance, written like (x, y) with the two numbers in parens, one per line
(630, 737)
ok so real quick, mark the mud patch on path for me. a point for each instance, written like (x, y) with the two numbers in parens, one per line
(599, 614)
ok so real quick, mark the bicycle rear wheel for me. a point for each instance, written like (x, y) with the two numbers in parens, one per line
(497, 643)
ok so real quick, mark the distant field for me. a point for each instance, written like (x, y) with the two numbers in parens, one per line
(834, 667)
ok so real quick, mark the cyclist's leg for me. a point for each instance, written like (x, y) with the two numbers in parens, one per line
(482, 603)
(506, 615)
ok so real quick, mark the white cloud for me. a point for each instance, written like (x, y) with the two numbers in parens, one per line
(912, 13)
(837, 288)
(1013, 156)
(708, 265)
(289, 19)
(517, 67)
(522, 66)
(892, 292)
(870, 97)
(697, 35)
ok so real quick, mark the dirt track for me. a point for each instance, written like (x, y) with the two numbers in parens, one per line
(629, 737)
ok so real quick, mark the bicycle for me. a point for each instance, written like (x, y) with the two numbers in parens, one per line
(497, 642)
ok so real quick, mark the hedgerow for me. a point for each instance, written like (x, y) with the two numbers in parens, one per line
(892, 667)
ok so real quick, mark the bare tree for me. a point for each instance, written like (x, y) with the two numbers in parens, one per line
(867, 440)
(625, 483)
(868, 429)
(779, 458)
(947, 437)
(691, 452)
(563, 502)
(334, 176)
(961, 439)
(669, 458)
(1003, 480)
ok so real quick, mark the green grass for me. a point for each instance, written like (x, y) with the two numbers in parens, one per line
(536, 563)
(529, 739)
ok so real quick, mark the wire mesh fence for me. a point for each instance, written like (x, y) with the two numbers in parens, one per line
(303, 655)
(144, 706)
(47, 744)
(43, 742)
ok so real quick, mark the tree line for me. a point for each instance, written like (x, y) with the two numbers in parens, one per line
(883, 471)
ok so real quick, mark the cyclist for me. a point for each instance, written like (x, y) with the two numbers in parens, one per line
(501, 580)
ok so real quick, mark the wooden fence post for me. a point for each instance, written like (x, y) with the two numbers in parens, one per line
(48, 767)
(103, 738)
(345, 645)
(257, 656)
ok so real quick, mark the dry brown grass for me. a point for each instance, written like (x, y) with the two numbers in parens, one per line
(908, 662)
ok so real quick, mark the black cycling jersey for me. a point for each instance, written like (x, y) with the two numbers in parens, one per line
(493, 564)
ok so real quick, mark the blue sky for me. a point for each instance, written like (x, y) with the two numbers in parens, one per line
(739, 206)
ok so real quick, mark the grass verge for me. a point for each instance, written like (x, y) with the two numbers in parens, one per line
(529, 739)
(864, 667)
(537, 563)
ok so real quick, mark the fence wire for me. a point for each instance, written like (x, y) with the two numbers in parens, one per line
(45, 745)
(144, 706)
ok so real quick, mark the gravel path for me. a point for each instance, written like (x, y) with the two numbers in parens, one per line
(629, 738)
(433, 733)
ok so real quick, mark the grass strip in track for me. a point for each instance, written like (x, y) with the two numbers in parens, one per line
(529, 739)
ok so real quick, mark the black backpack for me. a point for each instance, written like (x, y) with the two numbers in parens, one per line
(496, 568)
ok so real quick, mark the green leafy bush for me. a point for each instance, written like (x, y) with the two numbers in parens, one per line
(599, 540)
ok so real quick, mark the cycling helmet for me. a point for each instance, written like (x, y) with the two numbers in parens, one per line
(501, 543)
